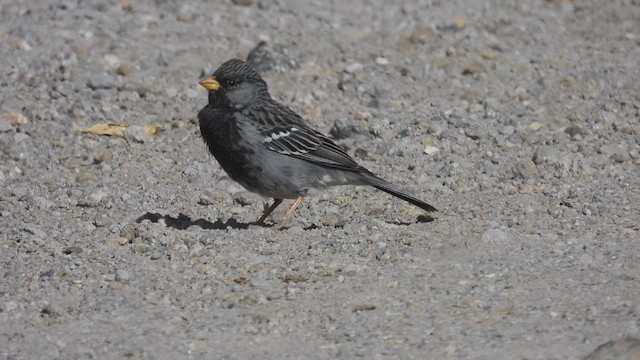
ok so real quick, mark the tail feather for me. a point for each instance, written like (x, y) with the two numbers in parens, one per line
(385, 186)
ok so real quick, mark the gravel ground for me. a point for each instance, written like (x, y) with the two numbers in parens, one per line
(519, 120)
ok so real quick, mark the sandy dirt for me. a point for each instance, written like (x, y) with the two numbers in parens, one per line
(518, 120)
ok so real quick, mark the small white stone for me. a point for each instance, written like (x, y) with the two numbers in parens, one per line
(382, 61)
(112, 60)
(430, 150)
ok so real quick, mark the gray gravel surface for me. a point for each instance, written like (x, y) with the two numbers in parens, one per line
(519, 120)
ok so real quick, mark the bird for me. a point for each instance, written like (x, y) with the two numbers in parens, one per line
(271, 150)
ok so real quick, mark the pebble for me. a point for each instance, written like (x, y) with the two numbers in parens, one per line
(136, 134)
(434, 129)
(243, 198)
(524, 169)
(33, 230)
(103, 156)
(171, 91)
(71, 250)
(97, 196)
(404, 71)
(206, 240)
(47, 274)
(116, 242)
(574, 130)
(430, 150)
(222, 197)
(102, 220)
(330, 220)
(144, 89)
(38, 202)
(178, 124)
(422, 35)
(123, 275)
(84, 177)
(318, 94)
(456, 114)
(344, 128)
(130, 231)
(341, 223)
(112, 60)
(65, 88)
(124, 69)
(101, 81)
(489, 54)
(205, 201)
(353, 68)
(291, 293)
(265, 57)
(161, 60)
(490, 113)
(535, 126)
(473, 133)
(5, 126)
(20, 137)
(207, 290)
(382, 61)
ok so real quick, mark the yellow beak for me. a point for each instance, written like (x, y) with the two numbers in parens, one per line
(210, 83)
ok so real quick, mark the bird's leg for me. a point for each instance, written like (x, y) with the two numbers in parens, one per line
(269, 210)
(290, 212)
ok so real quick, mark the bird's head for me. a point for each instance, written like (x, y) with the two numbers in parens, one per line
(235, 84)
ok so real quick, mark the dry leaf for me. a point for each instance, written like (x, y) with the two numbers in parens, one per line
(111, 129)
(106, 129)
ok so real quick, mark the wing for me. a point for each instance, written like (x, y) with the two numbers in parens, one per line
(287, 133)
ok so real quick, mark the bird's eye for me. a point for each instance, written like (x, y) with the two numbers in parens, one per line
(231, 82)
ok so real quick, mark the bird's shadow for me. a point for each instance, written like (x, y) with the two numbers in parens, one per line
(183, 221)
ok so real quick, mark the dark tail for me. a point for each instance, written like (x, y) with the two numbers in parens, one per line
(383, 185)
